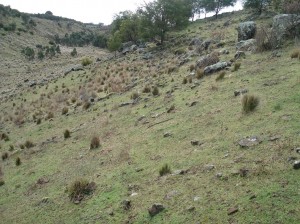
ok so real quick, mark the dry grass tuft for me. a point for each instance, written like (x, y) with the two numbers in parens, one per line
(249, 103)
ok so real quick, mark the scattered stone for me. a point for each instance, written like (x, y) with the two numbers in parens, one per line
(274, 138)
(239, 54)
(73, 68)
(125, 104)
(167, 134)
(297, 150)
(246, 45)
(246, 30)
(126, 204)
(195, 142)
(171, 194)
(155, 209)
(232, 211)
(286, 117)
(197, 198)
(45, 200)
(191, 209)
(195, 41)
(216, 67)
(209, 167)
(219, 175)
(139, 170)
(180, 172)
(193, 103)
(292, 159)
(252, 197)
(207, 60)
(249, 142)
(134, 194)
(243, 172)
(240, 92)
(296, 165)
(32, 83)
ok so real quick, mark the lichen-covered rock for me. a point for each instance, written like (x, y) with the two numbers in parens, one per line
(216, 67)
(246, 30)
(246, 45)
(207, 60)
(285, 24)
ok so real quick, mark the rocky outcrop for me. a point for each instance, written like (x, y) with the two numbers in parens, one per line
(246, 45)
(216, 67)
(246, 30)
(207, 60)
(285, 24)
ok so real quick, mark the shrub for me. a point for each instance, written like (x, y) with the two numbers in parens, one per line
(28, 52)
(200, 73)
(236, 66)
(74, 52)
(185, 80)
(4, 156)
(265, 39)
(79, 188)
(134, 96)
(41, 55)
(165, 170)
(38, 121)
(67, 134)
(2, 182)
(4, 137)
(146, 89)
(64, 111)
(29, 144)
(95, 143)
(86, 105)
(249, 103)
(295, 54)
(86, 61)
(18, 161)
(155, 91)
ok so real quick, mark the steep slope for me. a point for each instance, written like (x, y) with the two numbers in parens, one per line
(193, 125)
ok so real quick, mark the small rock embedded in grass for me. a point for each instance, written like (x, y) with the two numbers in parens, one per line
(155, 209)
(296, 165)
(240, 92)
(167, 134)
(232, 211)
(126, 204)
(249, 142)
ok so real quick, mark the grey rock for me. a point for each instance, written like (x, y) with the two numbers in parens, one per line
(246, 30)
(207, 60)
(249, 142)
(296, 165)
(246, 45)
(209, 167)
(155, 209)
(195, 142)
(167, 134)
(180, 172)
(240, 54)
(171, 194)
(216, 67)
(240, 92)
(125, 104)
(283, 24)
(32, 83)
(232, 211)
(147, 56)
(127, 44)
(73, 68)
(195, 41)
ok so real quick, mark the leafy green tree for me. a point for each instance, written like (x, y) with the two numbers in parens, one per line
(217, 5)
(258, 5)
(114, 42)
(129, 28)
(161, 16)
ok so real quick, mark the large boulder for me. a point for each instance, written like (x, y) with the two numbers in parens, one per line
(246, 30)
(216, 67)
(285, 25)
(246, 45)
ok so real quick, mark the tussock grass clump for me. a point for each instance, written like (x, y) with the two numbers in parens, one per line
(249, 103)
(2, 182)
(146, 89)
(28, 144)
(50, 115)
(155, 91)
(86, 105)
(4, 137)
(86, 61)
(95, 143)
(18, 161)
(38, 121)
(295, 53)
(221, 76)
(165, 170)
(67, 134)
(64, 111)
(185, 80)
(200, 73)
(4, 156)
(236, 66)
(80, 188)
(134, 96)
(192, 67)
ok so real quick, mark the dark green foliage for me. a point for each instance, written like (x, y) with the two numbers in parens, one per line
(100, 41)
(217, 5)
(95, 143)
(74, 52)
(10, 27)
(258, 5)
(4, 156)
(41, 55)
(164, 170)
(114, 42)
(79, 188)
(18, 161)
(86, 61)
(155, 91)
(28, 52)
(2, 182)
(249, 103)
(67, 134)
(29, 144)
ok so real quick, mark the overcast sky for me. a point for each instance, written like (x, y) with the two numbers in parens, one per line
(95, 11)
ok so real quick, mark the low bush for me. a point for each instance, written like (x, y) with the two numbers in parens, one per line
(95, 143)
(86, 61)
(79, 189)
(4, 156)
(67, 134)
(18, 161)
(28, 144)
(155, 91)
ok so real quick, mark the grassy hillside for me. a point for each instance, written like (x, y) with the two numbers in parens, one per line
(193, 126)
